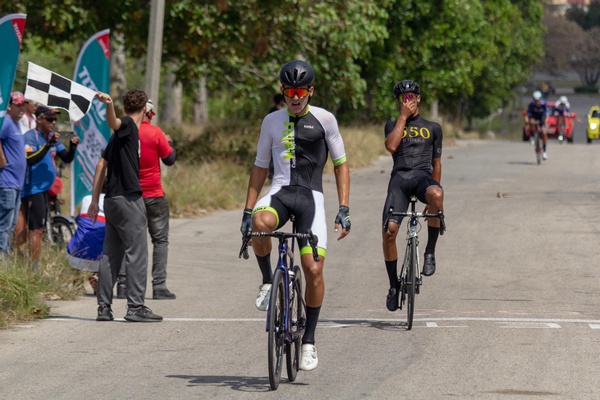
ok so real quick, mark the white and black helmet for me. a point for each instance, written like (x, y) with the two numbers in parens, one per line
(537, 95)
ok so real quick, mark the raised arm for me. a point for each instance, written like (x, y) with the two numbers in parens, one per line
(111, 118)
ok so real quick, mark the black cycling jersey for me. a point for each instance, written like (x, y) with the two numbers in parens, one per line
(421, 142)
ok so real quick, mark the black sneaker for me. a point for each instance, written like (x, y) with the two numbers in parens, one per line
(142, 314)
(163, 294)
(429, 265)
(391, 301)
(121, 290)
(104, 313)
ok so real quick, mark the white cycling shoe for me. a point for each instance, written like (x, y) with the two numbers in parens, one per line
(264, 295)
(544, 156)
(308, 357)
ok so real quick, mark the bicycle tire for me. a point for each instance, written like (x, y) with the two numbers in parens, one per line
(538, 149)
(297, 324)
(276, 334)
(411, 283)
(62, 231)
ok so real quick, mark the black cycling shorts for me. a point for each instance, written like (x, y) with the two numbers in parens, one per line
(403, 185)
(35, 208)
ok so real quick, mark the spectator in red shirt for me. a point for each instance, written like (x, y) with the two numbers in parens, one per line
(155, 145)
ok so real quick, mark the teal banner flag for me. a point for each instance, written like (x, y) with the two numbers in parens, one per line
(92, 71)
(11, 35)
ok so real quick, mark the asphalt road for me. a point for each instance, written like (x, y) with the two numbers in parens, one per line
(512, 313)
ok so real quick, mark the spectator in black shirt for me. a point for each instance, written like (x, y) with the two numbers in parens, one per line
(125, 238)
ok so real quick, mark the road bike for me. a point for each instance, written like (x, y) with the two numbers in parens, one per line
(537, 139)
(286, 315)
(409, 279)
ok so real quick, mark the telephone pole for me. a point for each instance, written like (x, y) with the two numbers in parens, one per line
(153, 57)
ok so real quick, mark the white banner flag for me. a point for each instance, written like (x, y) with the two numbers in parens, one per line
(56, 91)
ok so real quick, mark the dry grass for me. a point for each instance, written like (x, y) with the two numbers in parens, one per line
(24, 292)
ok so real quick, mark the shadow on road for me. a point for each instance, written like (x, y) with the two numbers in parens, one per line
(239, 383)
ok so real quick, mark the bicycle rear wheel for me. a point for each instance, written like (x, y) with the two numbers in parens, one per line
(276, 328)
(62, 231)
(297, 323)
(411, 282)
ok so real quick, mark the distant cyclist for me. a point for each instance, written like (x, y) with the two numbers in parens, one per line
(562, 105)
(537, 111)
(416, 147)
(298, 138)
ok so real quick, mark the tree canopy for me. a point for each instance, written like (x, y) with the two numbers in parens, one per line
(466, 54)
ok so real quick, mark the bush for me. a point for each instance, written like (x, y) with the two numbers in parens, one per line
(585, 89)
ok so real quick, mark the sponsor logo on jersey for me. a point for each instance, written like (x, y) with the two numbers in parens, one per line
(287, 139)
(415, 132)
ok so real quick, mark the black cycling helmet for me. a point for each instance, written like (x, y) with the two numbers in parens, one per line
(406, 86)
(297, 73)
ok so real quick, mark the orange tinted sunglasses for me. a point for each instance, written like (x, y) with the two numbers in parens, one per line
(291, 92)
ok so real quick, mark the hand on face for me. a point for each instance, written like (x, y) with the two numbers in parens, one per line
(408, 104)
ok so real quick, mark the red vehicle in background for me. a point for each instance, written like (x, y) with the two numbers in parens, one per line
(559, 125)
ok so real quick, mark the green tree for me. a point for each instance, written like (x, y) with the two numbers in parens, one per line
(516, 45)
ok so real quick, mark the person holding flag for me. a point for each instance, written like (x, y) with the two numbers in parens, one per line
(41, 146)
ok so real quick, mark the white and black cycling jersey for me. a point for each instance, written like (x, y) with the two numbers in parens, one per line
(299, 146)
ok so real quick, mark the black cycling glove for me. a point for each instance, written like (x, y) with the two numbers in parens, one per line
(343, 218)
(246, 227)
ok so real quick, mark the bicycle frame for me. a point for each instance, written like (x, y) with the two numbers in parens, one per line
(284, 263)
(410, 273)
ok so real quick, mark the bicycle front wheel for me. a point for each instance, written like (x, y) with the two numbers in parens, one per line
(297, 325)
(411, 282)
(276, 328)
(538, 148)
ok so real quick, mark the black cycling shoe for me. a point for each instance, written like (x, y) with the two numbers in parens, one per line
(391, 301)
(429, 265)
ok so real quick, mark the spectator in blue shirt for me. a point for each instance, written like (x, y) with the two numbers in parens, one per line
(12, 169)
(42, 144)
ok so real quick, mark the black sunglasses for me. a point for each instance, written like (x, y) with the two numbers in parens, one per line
(50, 119)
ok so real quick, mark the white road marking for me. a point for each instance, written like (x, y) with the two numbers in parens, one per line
(522, 323)
(528, 325)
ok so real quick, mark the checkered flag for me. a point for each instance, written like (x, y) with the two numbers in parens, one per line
(55, 91)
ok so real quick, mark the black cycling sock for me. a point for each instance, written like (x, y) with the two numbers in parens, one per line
(432, 237)
(312, 317)
(392, 271)
(544, 147)
(264, 263)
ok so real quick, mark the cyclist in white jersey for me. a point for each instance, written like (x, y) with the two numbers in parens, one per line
(298, 138)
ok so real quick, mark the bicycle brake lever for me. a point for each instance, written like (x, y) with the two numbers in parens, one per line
(244, 248)
(442, 222)
(313, 240)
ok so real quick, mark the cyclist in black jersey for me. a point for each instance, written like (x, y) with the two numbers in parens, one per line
(298, 139)
(416, 148)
